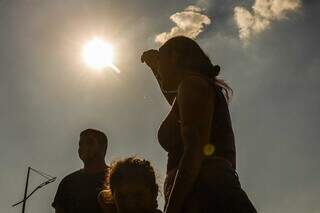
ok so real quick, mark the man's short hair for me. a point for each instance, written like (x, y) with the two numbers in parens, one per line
(98, 135)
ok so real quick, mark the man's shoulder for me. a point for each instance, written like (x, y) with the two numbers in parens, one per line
(81, 174)
(72, 176)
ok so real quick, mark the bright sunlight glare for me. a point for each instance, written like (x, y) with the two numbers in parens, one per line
(98, 54)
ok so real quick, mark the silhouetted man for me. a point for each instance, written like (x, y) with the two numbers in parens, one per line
(78, 191)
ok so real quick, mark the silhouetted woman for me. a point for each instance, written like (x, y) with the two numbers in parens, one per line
(130, 188)
(197, 133)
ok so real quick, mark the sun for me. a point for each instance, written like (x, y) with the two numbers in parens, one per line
(98, 54)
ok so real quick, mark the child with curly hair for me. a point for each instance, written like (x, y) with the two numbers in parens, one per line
(130, 188)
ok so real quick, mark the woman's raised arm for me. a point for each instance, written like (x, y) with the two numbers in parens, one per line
(151, 58)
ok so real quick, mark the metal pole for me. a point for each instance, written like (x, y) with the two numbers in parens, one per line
(26, 191)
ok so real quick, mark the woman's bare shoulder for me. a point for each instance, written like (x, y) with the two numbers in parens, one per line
(197, 86)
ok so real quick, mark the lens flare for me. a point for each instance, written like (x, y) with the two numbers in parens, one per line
(208, 149)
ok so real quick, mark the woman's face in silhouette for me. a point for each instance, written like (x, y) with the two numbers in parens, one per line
(133, 196)
(169, 70)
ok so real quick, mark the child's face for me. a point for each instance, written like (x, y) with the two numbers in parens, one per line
(133, 196)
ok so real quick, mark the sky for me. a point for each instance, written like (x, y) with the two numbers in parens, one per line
(268, 52)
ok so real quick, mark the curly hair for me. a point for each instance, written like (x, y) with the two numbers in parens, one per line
(120, 169)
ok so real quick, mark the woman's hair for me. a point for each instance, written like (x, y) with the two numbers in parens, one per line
(191, 56)
(128, 166)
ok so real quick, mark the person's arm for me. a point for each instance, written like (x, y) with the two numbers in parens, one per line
(151, 58)
(196, 105)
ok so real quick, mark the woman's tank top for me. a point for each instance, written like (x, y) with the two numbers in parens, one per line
(222, 137)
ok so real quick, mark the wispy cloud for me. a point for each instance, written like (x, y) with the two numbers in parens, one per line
(190, 22)
(263, 13)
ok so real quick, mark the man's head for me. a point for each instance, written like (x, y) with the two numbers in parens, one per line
(92, 145)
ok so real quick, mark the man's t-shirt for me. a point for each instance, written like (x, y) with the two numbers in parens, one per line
(77, 192)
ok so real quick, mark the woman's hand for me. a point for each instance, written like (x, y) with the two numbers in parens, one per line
(151, 58)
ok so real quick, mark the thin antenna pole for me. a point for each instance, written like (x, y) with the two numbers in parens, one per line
(26, 191)
(49, 178)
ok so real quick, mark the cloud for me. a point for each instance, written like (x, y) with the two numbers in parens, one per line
(190, 22)
(264, 12)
